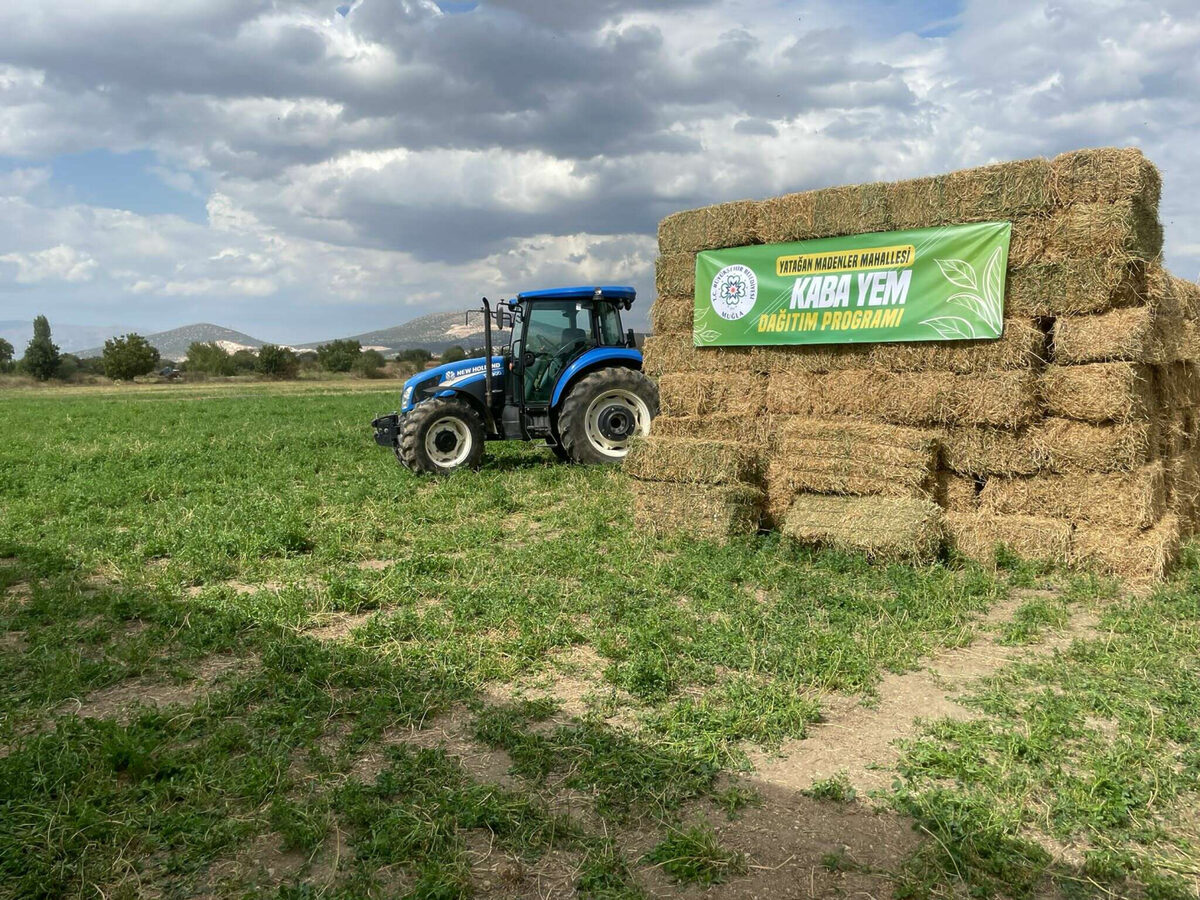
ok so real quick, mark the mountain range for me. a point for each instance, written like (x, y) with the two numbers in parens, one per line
(434, 332)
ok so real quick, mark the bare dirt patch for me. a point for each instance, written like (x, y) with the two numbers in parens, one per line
(121, 700)
(339, 626)
(451, 733)
(246, 588)
(788, 838)
(12, 642)
(374, 565)
(577, 684)
(498, 873)
(858, 736)
(21, 592)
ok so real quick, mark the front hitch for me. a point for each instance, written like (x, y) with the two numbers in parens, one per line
(387, 430)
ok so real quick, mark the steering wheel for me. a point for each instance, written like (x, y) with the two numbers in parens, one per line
(557, 362)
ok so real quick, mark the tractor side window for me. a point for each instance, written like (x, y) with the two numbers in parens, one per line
(609, 319)
(555, 332)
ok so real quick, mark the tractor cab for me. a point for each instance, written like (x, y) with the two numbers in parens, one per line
(570, 376)
(556, 334)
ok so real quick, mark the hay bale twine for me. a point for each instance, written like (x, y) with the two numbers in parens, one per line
(692, 461)
(714, 512)
(885, 529)
(1134, 499)
(980, 535)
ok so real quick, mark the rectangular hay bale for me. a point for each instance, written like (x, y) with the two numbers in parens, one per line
(1021, 346)
(733, 224)
(1099, 392)
(979, 535)
(1135, 499)
(783, 220)
(956, 493)
(853, 458)
(1006, 398)
(884, 528)
(675, 352)
(1134, 334)
(1073, 287)
(1002, 191)
(1053, 445)
(700, 394)
(1106, 174)
(758, 430)
(690, 461)
(1133, 555)
(672, 315)
(714, 512)
(675, 275)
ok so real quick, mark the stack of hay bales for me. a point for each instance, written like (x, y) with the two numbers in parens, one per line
(1072, 438)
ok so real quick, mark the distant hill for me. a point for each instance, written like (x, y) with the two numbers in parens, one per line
(174, 344)
(70, 338)
(434, 332)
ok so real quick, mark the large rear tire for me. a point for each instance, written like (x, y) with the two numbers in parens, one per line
(441, 435)
(604, 412)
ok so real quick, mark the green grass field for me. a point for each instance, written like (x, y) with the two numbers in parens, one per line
(243, 653)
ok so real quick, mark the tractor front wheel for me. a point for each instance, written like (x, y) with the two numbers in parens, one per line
(439, 436)
(604, 412)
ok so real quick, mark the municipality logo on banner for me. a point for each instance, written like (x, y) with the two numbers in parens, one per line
(734, 290)
(928, 284)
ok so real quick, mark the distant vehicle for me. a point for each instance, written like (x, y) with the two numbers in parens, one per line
(570, 376)
(170, 373)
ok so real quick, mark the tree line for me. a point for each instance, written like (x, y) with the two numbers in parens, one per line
(131, 356)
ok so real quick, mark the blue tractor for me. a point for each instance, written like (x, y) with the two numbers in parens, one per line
(569, 376)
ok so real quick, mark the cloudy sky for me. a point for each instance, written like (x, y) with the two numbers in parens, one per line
(300, 170)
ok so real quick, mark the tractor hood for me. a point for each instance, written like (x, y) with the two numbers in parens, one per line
(455, 374)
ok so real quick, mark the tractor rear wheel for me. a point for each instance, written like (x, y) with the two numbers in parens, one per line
(604, 412)
(441, 435)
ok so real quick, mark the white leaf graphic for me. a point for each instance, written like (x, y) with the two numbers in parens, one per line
(959, 273)
(993, 277)
(973, 302)
(707, 336)
(951, 328)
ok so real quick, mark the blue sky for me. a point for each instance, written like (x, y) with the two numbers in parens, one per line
(299, 170)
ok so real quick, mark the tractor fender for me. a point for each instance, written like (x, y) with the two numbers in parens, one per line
(596, 358)
(468, 389)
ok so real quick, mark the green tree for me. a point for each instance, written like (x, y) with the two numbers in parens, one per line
(244, 361)
(453, 354)
(416, 357)
(277, 362)
(209, 359)
(68, 367)
(6, 356)
(338, 356)
(41, 358)
(129, 356)
(370, 364)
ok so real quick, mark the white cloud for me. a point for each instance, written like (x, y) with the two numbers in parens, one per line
(61, 263)
(398, 160)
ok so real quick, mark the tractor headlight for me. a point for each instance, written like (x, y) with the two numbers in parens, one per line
(407, 396)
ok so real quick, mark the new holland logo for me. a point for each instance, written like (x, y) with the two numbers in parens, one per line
(734, 290)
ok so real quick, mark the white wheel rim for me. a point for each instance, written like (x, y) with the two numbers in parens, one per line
(455, 439)
(631, 403)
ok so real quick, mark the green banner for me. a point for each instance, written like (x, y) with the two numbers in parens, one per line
(931, 284)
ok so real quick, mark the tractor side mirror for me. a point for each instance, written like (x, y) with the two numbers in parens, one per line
(630, 339)
(504, 319)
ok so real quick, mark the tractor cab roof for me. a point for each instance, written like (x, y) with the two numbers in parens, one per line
(620, 293)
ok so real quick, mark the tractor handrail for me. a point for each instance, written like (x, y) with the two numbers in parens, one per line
(487, 369)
